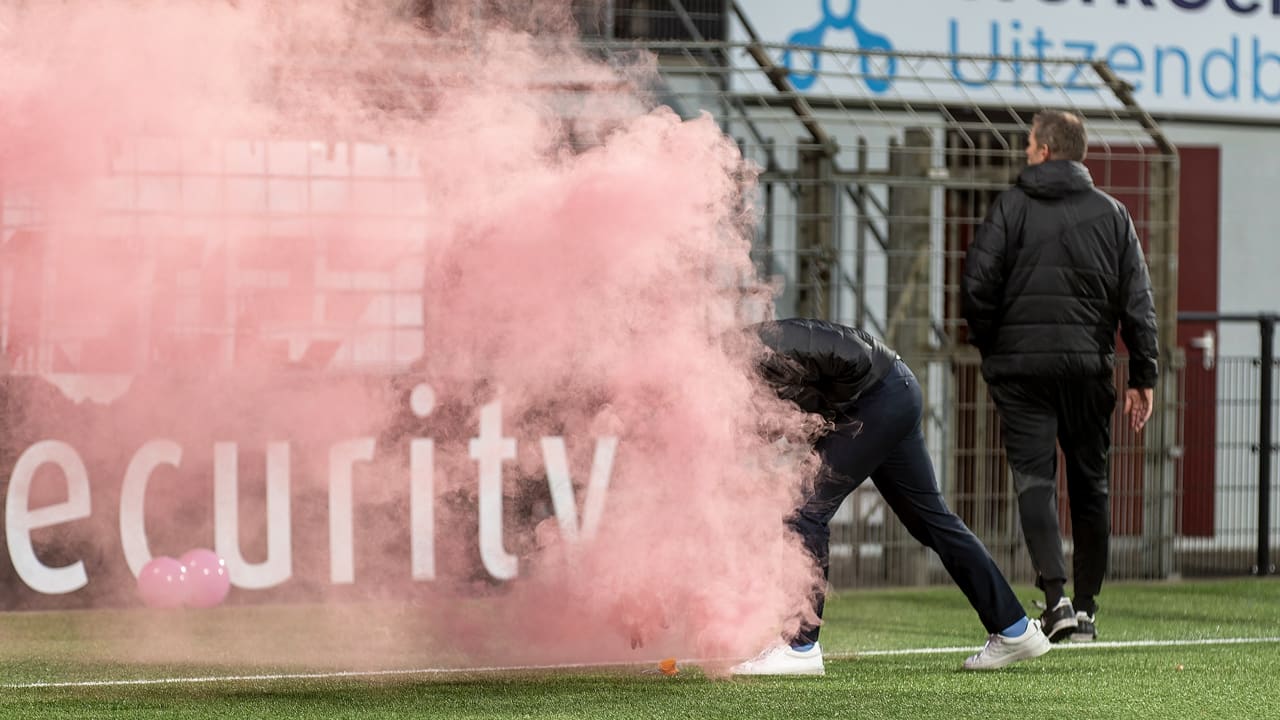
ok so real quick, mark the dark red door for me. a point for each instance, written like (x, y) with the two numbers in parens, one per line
(1198, 223)
(1123, 172)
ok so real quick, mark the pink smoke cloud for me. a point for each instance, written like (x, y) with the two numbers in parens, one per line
(247, 206)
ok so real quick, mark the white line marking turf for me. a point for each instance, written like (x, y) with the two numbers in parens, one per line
(1063, 646)
(500, 669)
(496, 669)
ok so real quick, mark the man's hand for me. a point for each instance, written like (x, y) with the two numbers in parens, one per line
(1137, 407)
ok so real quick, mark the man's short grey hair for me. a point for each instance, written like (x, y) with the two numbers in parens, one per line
(1062, 132)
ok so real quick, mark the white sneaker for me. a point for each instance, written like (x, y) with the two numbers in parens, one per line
(783, 660)
(1001, 650)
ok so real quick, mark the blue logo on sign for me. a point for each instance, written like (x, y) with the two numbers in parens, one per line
(816, 37)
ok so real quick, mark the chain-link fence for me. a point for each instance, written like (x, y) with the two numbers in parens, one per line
(873, 180)
(1229, 512)
(201, 243)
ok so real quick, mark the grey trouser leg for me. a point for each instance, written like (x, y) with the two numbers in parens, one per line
(1029, 423)
(1038, 509)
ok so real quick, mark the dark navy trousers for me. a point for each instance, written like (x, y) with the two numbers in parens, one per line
(880, 437)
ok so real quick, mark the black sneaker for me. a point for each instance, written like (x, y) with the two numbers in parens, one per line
(1086, 630)
(1059, 621)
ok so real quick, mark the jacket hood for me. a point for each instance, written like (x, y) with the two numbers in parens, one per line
(1055, 178)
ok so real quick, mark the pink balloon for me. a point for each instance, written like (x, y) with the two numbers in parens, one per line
(207, 580)
(161, 583)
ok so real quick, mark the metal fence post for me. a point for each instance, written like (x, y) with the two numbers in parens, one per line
(1266, 393)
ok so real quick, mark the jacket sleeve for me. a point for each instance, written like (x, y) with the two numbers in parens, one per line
(982, 285)
(1137, 311)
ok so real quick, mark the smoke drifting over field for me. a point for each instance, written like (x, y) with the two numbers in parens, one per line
(562, 261)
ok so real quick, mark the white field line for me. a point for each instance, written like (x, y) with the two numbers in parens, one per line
(337, 674)
(500, 669)
(1063, 646)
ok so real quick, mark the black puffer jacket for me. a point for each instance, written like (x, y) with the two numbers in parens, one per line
(821, 366)
(1055, 267)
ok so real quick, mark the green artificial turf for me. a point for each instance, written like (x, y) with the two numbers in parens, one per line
(1235, 680)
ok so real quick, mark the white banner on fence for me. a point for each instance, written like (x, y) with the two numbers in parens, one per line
(1200, 57)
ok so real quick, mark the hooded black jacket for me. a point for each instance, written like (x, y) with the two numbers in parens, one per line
(1052, 271)
(821, 366)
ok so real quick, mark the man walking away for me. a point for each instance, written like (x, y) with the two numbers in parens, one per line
(1054, 269)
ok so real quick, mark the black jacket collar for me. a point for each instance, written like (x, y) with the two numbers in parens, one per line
(1055, 179)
